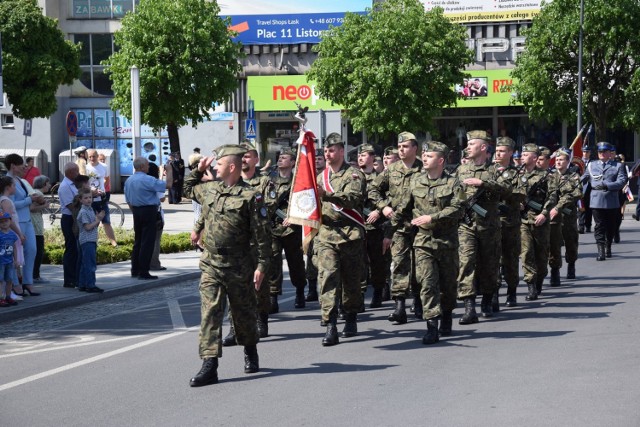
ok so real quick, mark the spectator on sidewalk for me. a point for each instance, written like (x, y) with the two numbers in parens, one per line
(7, 190)
(81, 161)
(41, 185)
(141, 193)
(97, 173)
(8, 258)
(107, 178)
(66, 193)
(88, 223)
(31, 172)
(155, 265)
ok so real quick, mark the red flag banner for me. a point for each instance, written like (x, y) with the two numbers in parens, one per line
(304, 205)
(576, 145)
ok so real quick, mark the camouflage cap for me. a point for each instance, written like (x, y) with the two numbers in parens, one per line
(604, 146)
(377, 159)
(516, 155)
(478, 134)
(248, 146)
(390, 151)
(544, 151)
(563, 152)
(505, 141)
(406, 136)
(319, 152)
(288, 151)
(530, 148)
(230, 150)
(366, 148)
(333, 138)
(436, 147)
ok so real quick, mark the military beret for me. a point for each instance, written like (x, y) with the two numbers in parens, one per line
(563, 152)
(478, 134)
(530, 148)
(366, 148)
(248, 146)
(406, 136)
(436, 147)
(390, 150)
(288, 151)
(544, 151)
(505, 141)
(604, 146)
(230, 150)
(516, 155)
(334, 138)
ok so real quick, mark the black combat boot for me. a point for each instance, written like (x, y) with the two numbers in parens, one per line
(554, 281)
(263, 325)
(495, 302)
(299, 303)
(340, 311)
(588, 229)
(312, 296)
(512, 301)
(251, 364)
(230, 339)
(376, 299)
(208, 374)
(571, 270)
(533, 293)
(445, 324)
(600, 256)
(362, 305)
(539, 282)
(608, 253)
(417, 307)
(581, 229)
(470, 316)
(486, 305)
(350, 326)
(399, 315)
(331, 336)
(386, 292)
(275, 308)
(431, 337)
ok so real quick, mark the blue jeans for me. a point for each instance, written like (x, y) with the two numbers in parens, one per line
(87, 277)
(70, 257)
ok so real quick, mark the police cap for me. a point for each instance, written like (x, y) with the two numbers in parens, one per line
(478, 134)
(604, 146)
(505, 141)
(516, 155)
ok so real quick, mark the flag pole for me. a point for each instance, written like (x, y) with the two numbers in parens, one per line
(580, 39)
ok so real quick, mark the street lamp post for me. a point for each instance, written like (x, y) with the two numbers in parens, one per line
(579, 121)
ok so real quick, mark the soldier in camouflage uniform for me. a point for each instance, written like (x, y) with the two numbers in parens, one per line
(479, 234)
(390, 156)
(233, 214)
(311, 271)
(339, 241)
(569, 192)
(541, 197)
(509, 220)
(386, 192)
(373, 270)
(284, 235)
(433, 205)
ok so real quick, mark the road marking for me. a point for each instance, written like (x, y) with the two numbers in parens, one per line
(89, 340)
(70, 366)
(176, 314)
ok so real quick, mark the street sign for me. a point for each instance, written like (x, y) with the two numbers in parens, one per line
(251, 112)
(250, 128)
(27, 127)
(72, 123)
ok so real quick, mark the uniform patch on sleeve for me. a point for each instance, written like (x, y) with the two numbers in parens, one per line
(263, 212)
(258, 198)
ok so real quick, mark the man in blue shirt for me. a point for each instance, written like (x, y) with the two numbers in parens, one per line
(140, 192)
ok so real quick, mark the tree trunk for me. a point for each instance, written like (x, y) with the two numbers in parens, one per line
(174, 137)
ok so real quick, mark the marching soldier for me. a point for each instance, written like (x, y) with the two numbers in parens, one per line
(479, 232)
(564, 225)
(339, 241)
(233, 215)
(311, 271)
(433, 205)
(541, 197)
(543, 163)
(387, 192)
(390, 156)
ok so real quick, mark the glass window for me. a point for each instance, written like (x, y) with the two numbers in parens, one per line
(101, 44)
(105, 144)
(101, 82)
(85, 122)
(100, 9)
(95, 49)
(104, 120)
(85, 50)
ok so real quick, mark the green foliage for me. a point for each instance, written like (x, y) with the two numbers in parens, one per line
(36, 58)
(548, 69)
(186, 59)
(394, 69)
(170, 243)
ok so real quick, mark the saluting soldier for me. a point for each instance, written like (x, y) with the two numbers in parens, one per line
(509, 209)
(387, 191)
(479, 232)
(541, 197)
(233, 215)
(339, 241)
(434, 206)
(564, 219)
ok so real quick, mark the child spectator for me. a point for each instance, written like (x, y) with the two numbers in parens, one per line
(88, 223)
(8, 189)
(8, 259)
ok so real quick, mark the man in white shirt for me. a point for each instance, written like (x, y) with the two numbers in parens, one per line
(97, 173)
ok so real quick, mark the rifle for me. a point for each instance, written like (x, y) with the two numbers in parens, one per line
(528, 203)
(473, 205)
(503, 208)
(280, 216)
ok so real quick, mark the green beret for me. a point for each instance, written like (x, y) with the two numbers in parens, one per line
(366, 148)
(505, 141)
(334, 138)
(530, 148)
(406, 136)
(436, 147)
(478, 134)
(390, 150)
(544, 151)
(230, 150)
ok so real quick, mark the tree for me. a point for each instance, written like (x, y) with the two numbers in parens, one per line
(393, 69)
(186, 58)
(548, 68)
(36, 58)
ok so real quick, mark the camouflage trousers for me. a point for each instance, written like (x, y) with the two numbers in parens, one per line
(436, 271)
(292, 245)
(563, 235)
(339, 269)
(510, 256)
(535, 251)
(263, 302)
(479, 263)
(373, 266)
(403, 269)
(311, 270)
(216, 284)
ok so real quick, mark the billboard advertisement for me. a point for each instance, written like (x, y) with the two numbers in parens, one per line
(286, 21)
(464, 11)
(486, 88)
(280, 93)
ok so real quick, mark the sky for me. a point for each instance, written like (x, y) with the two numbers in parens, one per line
(267, 7)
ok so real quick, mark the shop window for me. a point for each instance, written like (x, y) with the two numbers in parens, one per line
(7, 121)
(95, 49)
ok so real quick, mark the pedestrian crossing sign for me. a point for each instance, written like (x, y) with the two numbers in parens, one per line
(250, 128)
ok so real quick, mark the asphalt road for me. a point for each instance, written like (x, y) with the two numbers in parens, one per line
(568, 359)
